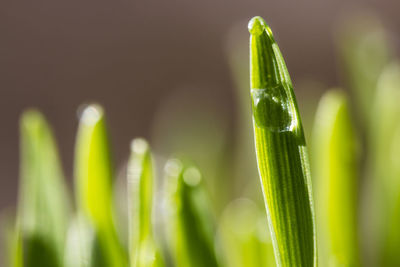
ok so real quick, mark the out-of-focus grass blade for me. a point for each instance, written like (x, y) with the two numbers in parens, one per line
(384, 185)
(17, 259)
(80, 245)
(191, 229)
(43, 205)
(93, 184)
(365, 50)
(191, 123)
(242, 155)
(143, 249)
(391, 236)
(13, 251)
(243, 237)
(335, 170)
(281, 151)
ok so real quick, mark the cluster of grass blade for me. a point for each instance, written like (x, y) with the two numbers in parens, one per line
(52, 231)
(355, 165)
(45, 235)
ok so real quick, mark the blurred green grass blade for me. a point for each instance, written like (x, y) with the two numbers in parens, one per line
(43, 205)
(364, 50)
(143, 249)
(383, 166)
(281, 151)
(183, 126)
(79, 244)
(93, 183)
(83, 246)
(191, 226)
(242, 153)
(243, 237)
(15, 250)
(391, 236)
(335, 170)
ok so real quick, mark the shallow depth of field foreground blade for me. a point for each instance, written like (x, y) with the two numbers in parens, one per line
(335, 172)
(143, 249)
(93, 185)
(281, 152)
(43, 205)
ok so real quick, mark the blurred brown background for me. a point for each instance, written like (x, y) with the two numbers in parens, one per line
(131, 55)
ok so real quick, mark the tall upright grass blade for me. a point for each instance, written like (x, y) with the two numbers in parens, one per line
(43, 204)
(383, 165)
(364, 49)
(93, 184)
(335, 171)
(281, 151)
(191, 229)
(243, 237)
(143, 249)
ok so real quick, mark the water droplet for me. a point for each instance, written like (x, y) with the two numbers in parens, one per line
(271, 109)
(257, 25)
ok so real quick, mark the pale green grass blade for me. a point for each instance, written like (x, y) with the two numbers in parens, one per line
(383, 166)
(80, 245)
(364, 50)
(281, 151)
(243, 237)
(190, 224)
(143, 249)
(43, 205)
(93, 184)
(335, 171)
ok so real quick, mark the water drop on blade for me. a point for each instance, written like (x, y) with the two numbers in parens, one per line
(271, 109)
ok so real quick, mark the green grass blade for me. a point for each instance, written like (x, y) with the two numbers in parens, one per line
(383, 166)
(281, 151)
(143, 248)
(391, 235)
(243, 237)
(15, 257)
(364, 50)
(335, 172)
(43, 210)
(80, 244)
(191, 229)
(93, 183)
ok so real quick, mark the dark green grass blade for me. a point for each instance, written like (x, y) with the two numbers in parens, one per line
(281, 151)
(191, 229)
(335, 170)
(143, 249)
(93, 184)
(43, 204)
